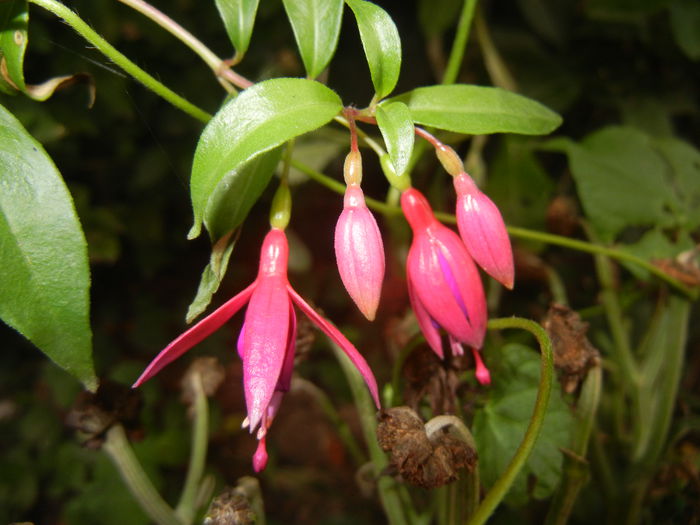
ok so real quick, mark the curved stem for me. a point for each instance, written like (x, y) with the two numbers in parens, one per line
(122, 61)
(218, 66)
(501, 487)
(460, 42)
(119, 450)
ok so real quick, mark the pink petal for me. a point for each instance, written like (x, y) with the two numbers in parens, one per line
(285, 379)
(338, 338)
(425, 322)
(196, 334)
(483, 231)
(265, 343)
(359, 252)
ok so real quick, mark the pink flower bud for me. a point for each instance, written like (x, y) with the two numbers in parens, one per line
(483, 231)
(359, 252)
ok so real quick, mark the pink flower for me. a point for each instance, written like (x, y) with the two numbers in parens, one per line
(444, 286)
(266, 341)
(359, 252)
(483, 231)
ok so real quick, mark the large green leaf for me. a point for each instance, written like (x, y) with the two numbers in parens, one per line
(43, 254)
(258, 120)
(620, 179)
(316, 25)
(685, 24)
(394, 120)
(238, 17)
(381, 42)
(500, 425)
(478, 110)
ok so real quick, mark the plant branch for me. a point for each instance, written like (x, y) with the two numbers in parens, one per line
(500, 488)
(459, 44)
(121, 60)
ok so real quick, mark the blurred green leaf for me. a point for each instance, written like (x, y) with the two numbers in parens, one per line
(683, 160)
(46, 279)
(478, 110)
(316, 25)
(623, 10)
(519, 185)
(14, 18)
(239, 18)
(620, 179)
(259, 119)
(437, 16)
(654, 245)
(394, 120)
(500, 425)
(685, 24)
(382, 45)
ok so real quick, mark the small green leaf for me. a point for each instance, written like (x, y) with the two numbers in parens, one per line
(500, 425)
(382, 45)
(478, 110)
(14, 18)
(239, 18)
(620, 179)
(316, 25)
(212, 275)
(43, 254)
(394, 120)
(685, 24)
(258, 120)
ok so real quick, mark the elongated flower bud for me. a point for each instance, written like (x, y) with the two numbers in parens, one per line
(483, 231)
(359, 252)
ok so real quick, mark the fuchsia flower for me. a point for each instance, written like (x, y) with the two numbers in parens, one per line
(443, 283)
(266, 341)
(359, 252)
(483, 231)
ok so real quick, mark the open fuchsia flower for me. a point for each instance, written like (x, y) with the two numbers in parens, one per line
(266, 341)
(359, 250)
(444, 286)
(483, 231)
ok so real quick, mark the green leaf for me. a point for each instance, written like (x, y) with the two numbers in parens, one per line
(14, 18)
(685, 24)
(43, 254)
(500, 425)
(238, 17)
(382, 45)
(394, 120)
(212, 275)
(478, 110)
(437, 16)
(620, 179)
(259, 119)
(316, 25)
(683, 161)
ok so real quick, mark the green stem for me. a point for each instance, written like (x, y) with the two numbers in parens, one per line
(186, 508)
(576, 468)
(122, 61)
(331, 413)
(454, 63)
(398, 366)
(394, 497)
(218, 66)
(122, 455)
(503, 484)
(495, 65)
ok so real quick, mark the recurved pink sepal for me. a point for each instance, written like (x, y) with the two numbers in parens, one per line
(359, 252)
(483, 231)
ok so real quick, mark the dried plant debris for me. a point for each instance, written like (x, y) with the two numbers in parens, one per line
(420, 460)
(683, 268)
(428, 376)
(94, 414)
(574, 354)
(231, 507)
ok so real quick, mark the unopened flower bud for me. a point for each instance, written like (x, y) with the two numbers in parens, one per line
(483, 231)
(359, 252)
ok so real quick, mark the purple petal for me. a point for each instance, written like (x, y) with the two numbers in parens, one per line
(196, 334)
(452, 283)
(430, 328)
(265, 344)
(338, 338)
